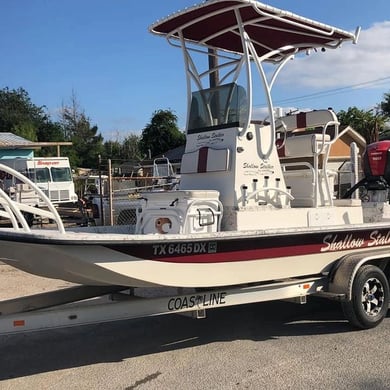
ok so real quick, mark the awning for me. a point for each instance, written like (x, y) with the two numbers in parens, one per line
(215, 24)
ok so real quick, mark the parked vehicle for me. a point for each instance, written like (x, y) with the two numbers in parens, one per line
(52, 175)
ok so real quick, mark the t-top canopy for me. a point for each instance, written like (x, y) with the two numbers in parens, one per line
(216, 24)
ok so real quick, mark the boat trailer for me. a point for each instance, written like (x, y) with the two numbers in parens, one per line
(85, 305)
(359, 282)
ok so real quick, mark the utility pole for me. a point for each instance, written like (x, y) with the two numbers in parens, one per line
(214, 82)
(213, 68)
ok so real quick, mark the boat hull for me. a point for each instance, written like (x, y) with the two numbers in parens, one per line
(214, 260)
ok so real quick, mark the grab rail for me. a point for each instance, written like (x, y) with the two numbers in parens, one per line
(14, 210)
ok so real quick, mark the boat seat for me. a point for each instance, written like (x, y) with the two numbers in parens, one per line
(306, 145)
(205, 160)
(306, 136)
(307, 120)
(291, 129)
(301, 179)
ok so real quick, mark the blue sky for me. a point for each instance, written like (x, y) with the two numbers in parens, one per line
(121, 73)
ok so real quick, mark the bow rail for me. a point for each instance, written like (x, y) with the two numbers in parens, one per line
(12, 206)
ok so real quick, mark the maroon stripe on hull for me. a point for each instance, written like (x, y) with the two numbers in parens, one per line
(227, 257)
(255, 248)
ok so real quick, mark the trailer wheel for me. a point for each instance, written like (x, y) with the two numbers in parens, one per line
(370, 298)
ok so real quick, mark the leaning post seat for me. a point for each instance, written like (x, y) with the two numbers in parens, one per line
(297, 140)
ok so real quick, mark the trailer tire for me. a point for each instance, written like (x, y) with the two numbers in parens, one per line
(369, 299)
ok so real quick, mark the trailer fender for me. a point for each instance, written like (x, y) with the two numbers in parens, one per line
(343, 274)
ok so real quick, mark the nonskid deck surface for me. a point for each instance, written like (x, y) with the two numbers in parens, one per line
(125, 233)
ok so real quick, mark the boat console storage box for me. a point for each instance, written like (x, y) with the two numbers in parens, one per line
(179, 212)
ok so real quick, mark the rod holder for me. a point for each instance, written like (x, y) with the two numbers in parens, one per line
(244, 195)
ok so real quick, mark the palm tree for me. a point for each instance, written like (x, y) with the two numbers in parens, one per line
(370, 124)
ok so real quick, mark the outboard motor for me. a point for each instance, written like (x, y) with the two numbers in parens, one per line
(376, 168)
(376, 161)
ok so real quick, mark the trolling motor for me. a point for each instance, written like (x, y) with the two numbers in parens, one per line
(376, 168)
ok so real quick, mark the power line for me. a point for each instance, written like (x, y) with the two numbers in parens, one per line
(331, 92)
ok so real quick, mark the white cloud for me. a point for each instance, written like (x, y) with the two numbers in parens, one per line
(351, 64)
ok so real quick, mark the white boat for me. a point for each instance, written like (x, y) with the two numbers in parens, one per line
(256, 200)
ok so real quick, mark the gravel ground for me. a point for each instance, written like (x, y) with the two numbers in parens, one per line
(15, 283)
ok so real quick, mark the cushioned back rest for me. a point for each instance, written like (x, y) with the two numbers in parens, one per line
(205, 160)
(304, 120)
(304, 145)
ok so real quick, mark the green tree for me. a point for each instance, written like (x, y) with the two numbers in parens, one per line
(112, 150)
(19, 115)
(49, 132)
(87, 142)
(385, 105)
(369, 124)
(26, 130)
(125, 151)
(128, 149)
(131, 148)
(161, 134)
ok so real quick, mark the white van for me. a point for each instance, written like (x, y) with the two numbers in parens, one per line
(52, 175)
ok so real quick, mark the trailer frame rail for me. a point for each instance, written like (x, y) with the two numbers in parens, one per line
(126, 305)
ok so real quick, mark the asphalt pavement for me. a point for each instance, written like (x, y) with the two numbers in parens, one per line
(272, 345)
